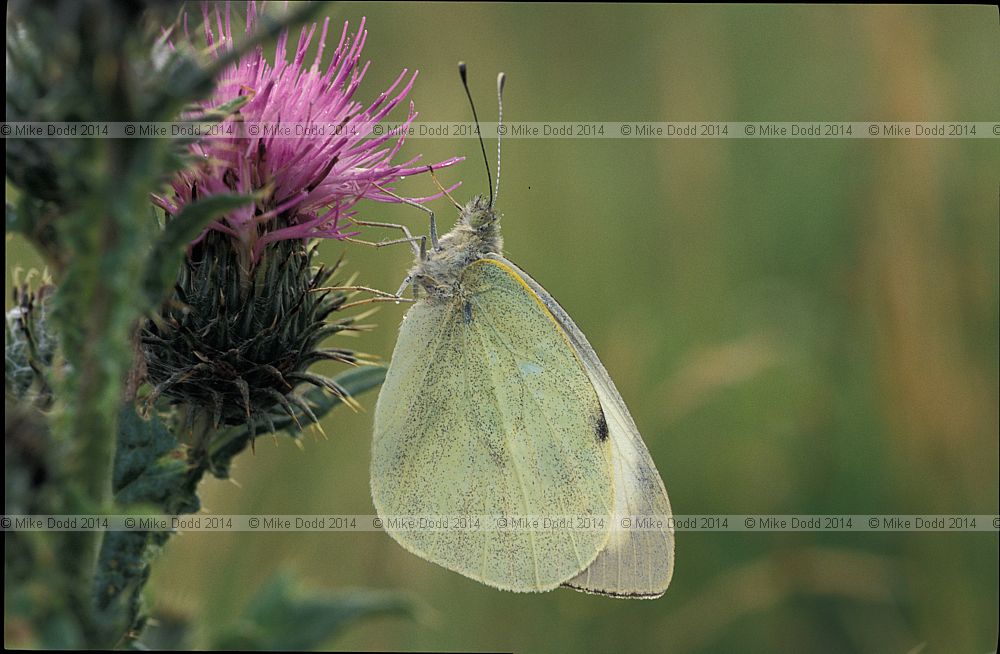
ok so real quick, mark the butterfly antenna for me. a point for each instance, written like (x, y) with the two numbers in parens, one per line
(501, 79)
(482, 145)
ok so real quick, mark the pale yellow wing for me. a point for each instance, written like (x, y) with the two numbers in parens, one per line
(635, 563)
(487, 410)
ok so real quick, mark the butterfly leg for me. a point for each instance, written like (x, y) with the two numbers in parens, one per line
(378, 296)
(381, 296)
(419, 250)
(427, 210)
(406, 282)
(386, 298)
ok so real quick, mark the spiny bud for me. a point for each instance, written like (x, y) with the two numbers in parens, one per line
(235, 343)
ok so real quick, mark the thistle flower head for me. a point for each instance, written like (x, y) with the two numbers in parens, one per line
(249, 310)
(309, 181)
(237, 353)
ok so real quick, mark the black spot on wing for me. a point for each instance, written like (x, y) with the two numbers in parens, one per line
(467, 312)
(601, 427)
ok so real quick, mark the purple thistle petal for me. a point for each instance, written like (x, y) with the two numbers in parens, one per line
(308, 184)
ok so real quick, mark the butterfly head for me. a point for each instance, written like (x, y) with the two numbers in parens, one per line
(474, 236)
(481, 216)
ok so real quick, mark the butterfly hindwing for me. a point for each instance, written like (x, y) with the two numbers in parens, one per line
(635, 562)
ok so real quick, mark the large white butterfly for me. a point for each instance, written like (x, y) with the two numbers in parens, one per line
(495, 404)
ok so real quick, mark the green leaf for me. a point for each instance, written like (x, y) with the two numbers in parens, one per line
(284, 617)
(149, 473)
(165, 258)
(150, 467)
(140, 444)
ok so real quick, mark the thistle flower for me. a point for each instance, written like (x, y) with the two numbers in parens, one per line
(310, 182)
(248, 312)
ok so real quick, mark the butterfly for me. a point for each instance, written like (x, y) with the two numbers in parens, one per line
(495, 404)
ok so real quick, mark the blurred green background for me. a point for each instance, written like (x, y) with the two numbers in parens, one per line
(798, 326)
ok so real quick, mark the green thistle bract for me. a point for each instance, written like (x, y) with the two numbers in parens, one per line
(29, 345)
(234, 343)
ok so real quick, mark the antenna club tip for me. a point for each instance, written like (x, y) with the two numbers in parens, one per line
(501, 80)
(462, 69)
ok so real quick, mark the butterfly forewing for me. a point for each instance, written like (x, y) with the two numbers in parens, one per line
(488, 410)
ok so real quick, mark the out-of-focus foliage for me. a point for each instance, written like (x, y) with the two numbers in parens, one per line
(84, 205)
(283, 617)
(154, 473)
